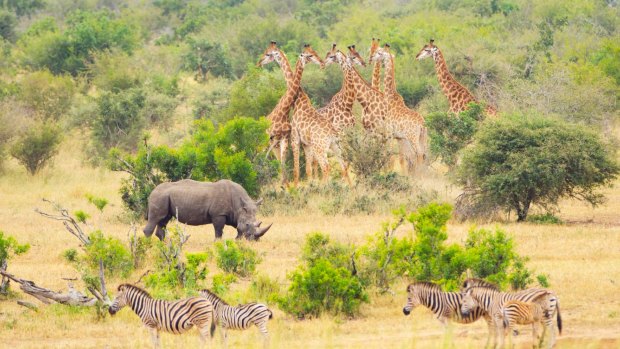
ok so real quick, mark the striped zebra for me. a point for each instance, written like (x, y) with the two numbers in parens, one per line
(491, 300)
(445, 305)
(530, 313)
(161, 315)
(240, 317)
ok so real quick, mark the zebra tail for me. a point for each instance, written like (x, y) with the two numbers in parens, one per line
(559, 318)
(271, 314)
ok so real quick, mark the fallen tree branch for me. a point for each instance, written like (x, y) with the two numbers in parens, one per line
(28, 305)
(70, 224)
(72, 297)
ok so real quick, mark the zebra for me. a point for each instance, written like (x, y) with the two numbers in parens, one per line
(526, 313)
(445, 305)
(491, 300)
(240, 317)
(161, 315)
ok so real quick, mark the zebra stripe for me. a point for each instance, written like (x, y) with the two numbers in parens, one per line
(240, 317)
(491, 300)
(526, 313)
(161, 315)
(445, 305)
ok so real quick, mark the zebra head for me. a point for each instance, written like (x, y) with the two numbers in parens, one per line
(468, 302)
(120, 301)
(412, 300)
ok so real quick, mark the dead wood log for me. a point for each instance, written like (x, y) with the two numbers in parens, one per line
(28, 305)
(47, 296)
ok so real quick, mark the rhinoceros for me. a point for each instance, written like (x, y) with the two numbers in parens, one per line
(196, 203)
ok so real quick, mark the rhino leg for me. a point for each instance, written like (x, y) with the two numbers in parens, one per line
(218, 225)
(161, 226)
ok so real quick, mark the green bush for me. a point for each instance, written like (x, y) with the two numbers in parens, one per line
(117, 260)
(547, 218)
(37, 146)
(118, 121)
(222, 282)
(71, 50)
(204, 57)
(51, 96)
(264, 288)
(9, 247)
(449, 133)
(234, 152)
(7, 25)
(323, 282)
(236, 257)
(520, 161)
(366, 152)
(427, 257)
(176, 275)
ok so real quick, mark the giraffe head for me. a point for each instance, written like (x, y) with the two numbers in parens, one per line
(308, 55)
(355, 57)
(380, 54)
(429, 50)
(271, 53)
(374, 46)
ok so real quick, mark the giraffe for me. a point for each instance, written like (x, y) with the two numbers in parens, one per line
(339, 110)
(376, 71)
(374, 104)
(309, 129)
(408, 124)
(458, 95)
(280, 128)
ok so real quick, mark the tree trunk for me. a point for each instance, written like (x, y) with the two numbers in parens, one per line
(522, 211)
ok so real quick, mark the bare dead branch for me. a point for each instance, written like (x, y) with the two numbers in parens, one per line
(143, 275)
(70, 224)
(72, 297)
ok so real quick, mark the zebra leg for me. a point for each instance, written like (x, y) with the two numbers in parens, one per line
(155, 337)
(491, 329)
(263, 329)
(536, 339)
(205, 332)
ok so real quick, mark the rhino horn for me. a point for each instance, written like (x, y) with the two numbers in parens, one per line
(259, 202)
(262, 231)
(257, 224)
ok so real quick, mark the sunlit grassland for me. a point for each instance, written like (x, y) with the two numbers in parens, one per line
(581, 258)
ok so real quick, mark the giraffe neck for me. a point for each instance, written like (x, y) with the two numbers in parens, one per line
(286, 68)
(376, 75)
(389, 81)
(449, 85)
(280, 125)
(365, 94)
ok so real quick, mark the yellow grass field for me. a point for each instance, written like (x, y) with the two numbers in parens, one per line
(581, 257)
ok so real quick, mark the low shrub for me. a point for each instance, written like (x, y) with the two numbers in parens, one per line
(546, 218)
(9, 247)
(324, 281)
(236, 257)
(37, 146)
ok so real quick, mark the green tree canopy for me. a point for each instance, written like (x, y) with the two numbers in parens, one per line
(519, 161)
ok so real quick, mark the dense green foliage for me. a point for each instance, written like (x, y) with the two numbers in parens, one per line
(36, 146)
(236, 257)
(520, 161)
(423, 255)
(324, 282)
(9, 247)
(233, 151)
(450, 133)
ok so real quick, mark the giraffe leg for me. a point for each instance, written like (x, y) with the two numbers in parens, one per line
(343, 165)
(323, 163)
(309, 161)
(295, 145)
(283, 149)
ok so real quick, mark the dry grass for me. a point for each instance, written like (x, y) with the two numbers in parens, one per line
(582, 259)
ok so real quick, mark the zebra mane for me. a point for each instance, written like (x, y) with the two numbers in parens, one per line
(136, 288)
(205, 291)
(475, 282)
(433, 286)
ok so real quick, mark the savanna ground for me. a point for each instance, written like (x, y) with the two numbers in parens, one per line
(581, 258)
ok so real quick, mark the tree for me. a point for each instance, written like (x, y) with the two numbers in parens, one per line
(519, 161)
(205, 57)
(7, 25)
(37, 146)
